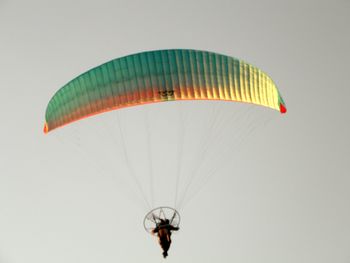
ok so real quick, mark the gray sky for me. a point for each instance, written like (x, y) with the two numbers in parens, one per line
(283, 198)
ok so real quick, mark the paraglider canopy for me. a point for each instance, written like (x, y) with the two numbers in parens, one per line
(159, 76)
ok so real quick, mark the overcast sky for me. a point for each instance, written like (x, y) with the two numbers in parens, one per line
(283, 198)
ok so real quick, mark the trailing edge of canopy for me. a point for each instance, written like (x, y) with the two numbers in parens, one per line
(158, 76)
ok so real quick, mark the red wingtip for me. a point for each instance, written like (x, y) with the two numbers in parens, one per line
(283, 108)
(46, 128)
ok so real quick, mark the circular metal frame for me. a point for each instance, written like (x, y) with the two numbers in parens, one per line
(154, 217)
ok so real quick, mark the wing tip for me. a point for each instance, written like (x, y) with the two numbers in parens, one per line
(283, 108)
(46, 128)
